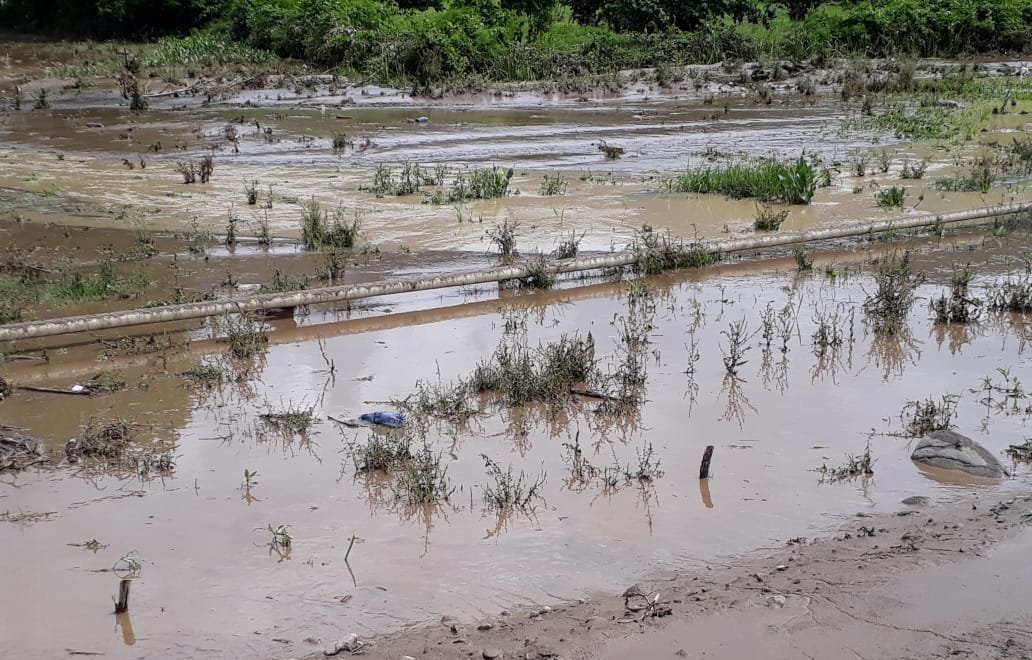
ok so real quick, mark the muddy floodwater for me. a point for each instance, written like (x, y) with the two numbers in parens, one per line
(210, 585)
(201, 518)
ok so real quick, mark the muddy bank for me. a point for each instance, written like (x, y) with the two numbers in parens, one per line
(929, 582)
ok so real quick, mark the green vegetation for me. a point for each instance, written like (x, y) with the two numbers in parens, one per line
(891, 198)
(767, 219)
(426, 41)
(769, 180)
(321, 229)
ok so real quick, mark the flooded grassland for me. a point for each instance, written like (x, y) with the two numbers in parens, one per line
(552, 439)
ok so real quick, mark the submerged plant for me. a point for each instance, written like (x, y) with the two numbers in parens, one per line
(922, 417)
(507, 491)
(889, 305)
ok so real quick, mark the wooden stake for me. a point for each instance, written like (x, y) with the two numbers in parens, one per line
(123, 596)
(704, 468)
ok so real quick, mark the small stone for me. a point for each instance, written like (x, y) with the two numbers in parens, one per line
(492, 653)
(782, 567)
(407, 657)
(777, 600)
(916, 500)
(484, 626)
(546, 609)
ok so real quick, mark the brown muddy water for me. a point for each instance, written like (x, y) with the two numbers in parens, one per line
(209, 585)
(86, 176)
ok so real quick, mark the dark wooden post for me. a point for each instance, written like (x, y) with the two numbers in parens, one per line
(704, 468)
(123, 596)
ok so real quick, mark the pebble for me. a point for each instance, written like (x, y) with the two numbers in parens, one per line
(491, 654)
(484, 626)
(778, 600)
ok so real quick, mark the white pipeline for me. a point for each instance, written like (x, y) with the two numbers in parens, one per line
(95, 322)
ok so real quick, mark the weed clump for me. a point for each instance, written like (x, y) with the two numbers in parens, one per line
(922, 417)
(503, 237)
(245, 335)
(520, 374)
(554, 184)
(767, 219)
(854, 466)
(294, 419)
(422, 479)
(383, 452)
(887, 308)
(111, 442)
(321, 229)
(979, 178)
(891, 198)
(769, 181)
(508, 492)
(206, 374)
(193, 171)
(538, 274)
(958, 306)
(568, 247)
(1012, 295)
(658, 252)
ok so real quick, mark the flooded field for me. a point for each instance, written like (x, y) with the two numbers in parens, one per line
(231, 479)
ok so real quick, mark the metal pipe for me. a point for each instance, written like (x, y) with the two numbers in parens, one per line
(94, 322)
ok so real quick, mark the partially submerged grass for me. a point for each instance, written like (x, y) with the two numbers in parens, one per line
(769, 180)
(554, 184)
(854, 466)
(888, 307)
(507, 492)
(658, 252)
(568, 247)
(206, 374)
(979, 178)
(112, 442)
(194, 171)
(107, 382)
(891, 198)
(768, 219)
(422, 479)
(451, 400)
(1013, 295)
(383, 452)
(294, 418)
(245, 334)
(503, 237)
(959, 306)
(323, 228)
(922, 417)
(538, 274)
(520, 374)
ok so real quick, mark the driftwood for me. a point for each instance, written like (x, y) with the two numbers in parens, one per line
(17, 450)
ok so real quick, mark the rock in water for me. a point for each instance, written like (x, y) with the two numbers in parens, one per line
(953, 451)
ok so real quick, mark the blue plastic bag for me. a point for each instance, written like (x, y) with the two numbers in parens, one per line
(387, 418)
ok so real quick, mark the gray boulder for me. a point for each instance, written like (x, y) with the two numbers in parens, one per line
(953, 451)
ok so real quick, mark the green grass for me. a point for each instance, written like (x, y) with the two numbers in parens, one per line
(322, 228)
(203, 49)
(788, 182)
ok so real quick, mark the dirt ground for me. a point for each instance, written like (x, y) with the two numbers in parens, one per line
(925, 582)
